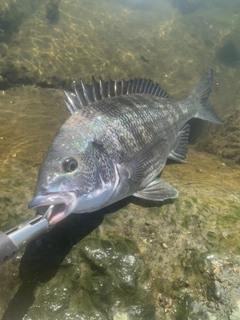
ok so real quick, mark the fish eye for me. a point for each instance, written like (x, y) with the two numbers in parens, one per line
(70, 165)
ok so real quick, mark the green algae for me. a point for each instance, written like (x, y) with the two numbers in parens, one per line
(230, 218)
(177, 204)
(188, 308)
(113, 275)
(188, 204)
(203, 208)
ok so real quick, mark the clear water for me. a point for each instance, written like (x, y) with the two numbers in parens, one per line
(44, 44)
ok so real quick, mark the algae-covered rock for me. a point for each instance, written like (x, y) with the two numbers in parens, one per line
(101, 278)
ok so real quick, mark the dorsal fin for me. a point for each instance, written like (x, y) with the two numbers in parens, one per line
(85, 94)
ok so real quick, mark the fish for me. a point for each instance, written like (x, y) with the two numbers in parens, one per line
(115, 144)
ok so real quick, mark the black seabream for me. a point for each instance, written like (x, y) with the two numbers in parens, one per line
(115, 144)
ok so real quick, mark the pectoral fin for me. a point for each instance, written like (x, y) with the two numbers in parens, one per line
(157, 190)
(136, 165)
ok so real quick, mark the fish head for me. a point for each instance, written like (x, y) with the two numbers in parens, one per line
(77, 176)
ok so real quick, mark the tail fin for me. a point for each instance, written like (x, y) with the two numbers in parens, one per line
(201, 93)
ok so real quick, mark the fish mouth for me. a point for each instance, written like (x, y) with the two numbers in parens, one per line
(54, 206)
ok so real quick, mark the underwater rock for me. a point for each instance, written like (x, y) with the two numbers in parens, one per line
(52, 11)
(228, 54)
(117, 277)
(104, 279)
(11, 16)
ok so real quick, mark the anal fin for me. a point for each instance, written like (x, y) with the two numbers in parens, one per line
(180, 151)
(157, 190)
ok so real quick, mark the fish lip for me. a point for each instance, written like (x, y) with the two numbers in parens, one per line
(54, 206)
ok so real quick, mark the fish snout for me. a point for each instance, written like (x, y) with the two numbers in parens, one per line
(54, 206)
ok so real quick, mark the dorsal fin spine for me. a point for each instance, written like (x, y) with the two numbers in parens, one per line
(128, 87)
(146, 86)
(101, 88)
(77, 92)
(115, 88)
(94, 93)
(109, 88)
(151, 85)
(122, 86)
(154, 88)
(158, 91)
(141, 87)
(134, 87)
(70, 107)
(85, 92)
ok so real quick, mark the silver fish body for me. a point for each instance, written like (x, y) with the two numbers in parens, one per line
(115, 144)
